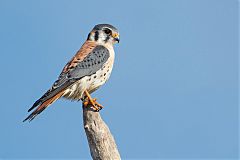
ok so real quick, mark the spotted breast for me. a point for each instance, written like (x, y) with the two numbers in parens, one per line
(92, 82)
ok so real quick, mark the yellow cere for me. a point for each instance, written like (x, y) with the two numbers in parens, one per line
(115, 35)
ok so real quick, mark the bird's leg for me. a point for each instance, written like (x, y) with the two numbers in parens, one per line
(99, 105)
(92, 101)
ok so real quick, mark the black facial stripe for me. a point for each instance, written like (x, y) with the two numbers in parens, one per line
(107, 38)
(96, 36)
(88, 37)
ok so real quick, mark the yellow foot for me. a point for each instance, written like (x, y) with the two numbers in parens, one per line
(96, 103)
(93, 103)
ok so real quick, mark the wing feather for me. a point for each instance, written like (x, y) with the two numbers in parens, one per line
(88, 60)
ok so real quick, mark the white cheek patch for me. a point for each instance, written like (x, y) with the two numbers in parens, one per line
(101, 37)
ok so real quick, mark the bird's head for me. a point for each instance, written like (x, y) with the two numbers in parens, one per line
(104, 33)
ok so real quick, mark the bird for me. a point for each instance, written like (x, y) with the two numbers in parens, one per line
(89, 69)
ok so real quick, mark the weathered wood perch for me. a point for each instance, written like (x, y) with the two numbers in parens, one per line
(101, 142)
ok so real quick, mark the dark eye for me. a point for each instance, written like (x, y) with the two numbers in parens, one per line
(107, 31)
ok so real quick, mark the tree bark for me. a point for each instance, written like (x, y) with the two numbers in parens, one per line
(101, 142)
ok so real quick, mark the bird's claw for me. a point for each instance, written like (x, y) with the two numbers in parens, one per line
(93, 103)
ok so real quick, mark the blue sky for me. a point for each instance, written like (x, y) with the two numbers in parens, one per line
(173, 92)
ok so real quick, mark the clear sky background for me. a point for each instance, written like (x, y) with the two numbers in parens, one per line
(173, 92)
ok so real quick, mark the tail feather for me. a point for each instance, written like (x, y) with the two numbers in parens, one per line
(35, 105)
(42, 106)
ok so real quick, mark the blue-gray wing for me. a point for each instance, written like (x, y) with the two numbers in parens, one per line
(86, 67)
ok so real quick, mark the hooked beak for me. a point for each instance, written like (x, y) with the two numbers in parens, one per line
(116, 37)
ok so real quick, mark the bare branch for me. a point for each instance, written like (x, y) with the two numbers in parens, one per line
(101, 142)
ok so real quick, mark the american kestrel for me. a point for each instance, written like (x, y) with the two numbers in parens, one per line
(85, 72)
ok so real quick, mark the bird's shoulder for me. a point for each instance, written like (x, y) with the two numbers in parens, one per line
(88, 50)
(83, 52)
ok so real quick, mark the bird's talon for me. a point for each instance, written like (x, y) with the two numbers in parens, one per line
(99, 105)
(85, 103)
(95, 108)
(92, 102)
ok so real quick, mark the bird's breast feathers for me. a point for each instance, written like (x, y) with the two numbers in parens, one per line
(93, 81)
